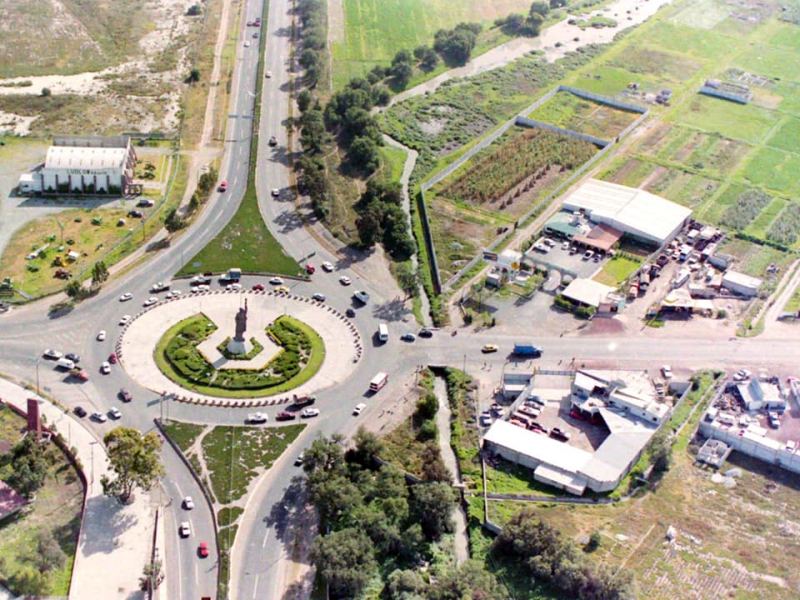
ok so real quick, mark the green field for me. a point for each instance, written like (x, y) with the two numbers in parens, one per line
(618, 269)
(374, 30)
(572, 112)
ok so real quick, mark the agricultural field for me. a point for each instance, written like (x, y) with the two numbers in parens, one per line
(568, 111)
(489, 193)
(754, 259)
(372, 31)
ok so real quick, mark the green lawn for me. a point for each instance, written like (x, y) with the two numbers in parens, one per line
(748, 123)
(183, 434)
(787, 136)
(374, 30)
(245, 243)
(775, 170)
(617, 270)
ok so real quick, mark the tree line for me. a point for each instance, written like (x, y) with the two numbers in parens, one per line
(530, 24)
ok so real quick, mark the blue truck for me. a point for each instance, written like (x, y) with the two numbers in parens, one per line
(527, 350)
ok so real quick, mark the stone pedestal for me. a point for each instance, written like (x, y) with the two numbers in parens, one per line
(239, 346)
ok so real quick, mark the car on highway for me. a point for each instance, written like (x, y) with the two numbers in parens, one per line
(247, 44)
(173, 294)
(327, 267)
(150, 301)
(79, 411)
(310, 269)
(200, 280)
(282, 289)
(275, 192)
(188, 503)
(268, 74)
(99, 417)
(52, 354)
(285, 415)
(185, 530)
(273, 141)
(350, 313)
(489, 348)
(115, 413)
(125, 320)
(159, 286)
(124, 395)
(425, 333)
(233, 287)
(105, 368)
(256, 418)
(359, 408)
(345, 280)
(125, 297)
(408, 337)
(361, 296)
(202, 550)
(112, 358)
(319, 297)
(259, 287)
(276, 281)
(307, 413)
(101, 335)
(76, 358)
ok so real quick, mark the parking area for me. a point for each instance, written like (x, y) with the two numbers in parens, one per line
(566, 258)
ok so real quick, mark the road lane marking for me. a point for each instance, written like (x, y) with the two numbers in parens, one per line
(266, 537)
(255, 588)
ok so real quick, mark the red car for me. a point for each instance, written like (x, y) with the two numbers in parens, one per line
(223, 186)
(202, 550)
(310, 269)
(285, 416)
(259, 287)
(112, 358)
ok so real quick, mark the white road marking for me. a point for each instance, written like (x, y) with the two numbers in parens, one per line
(266, 537)
(255, 588)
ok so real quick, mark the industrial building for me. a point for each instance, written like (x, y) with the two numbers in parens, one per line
(741, 284)
(587, 292)
(630, 211)
(83, 165)
(626, 402)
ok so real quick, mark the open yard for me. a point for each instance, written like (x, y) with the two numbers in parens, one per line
(618, 269)
(572, 112)
(55, 514)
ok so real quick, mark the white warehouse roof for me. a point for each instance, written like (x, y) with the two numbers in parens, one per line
(71, 157)
(631, 210)
(741, 280)
(587, 291)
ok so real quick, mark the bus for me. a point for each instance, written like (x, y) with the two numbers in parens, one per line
(378, 382)
(383, 333)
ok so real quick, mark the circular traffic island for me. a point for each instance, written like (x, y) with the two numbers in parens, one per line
(243, 348)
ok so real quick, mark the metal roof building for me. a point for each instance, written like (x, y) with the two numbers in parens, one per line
(632, 211)
(587, 292)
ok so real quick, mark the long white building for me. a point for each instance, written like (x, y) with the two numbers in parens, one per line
(83, 165)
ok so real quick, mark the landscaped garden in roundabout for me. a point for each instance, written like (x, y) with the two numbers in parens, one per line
(295, 355)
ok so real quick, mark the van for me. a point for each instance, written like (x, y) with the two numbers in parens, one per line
(65, 363)
(383, 332)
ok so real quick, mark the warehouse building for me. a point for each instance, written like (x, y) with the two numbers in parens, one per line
(741, 284)
(637, 213)
(83, 165)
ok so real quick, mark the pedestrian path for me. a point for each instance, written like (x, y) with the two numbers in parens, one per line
(115, 540)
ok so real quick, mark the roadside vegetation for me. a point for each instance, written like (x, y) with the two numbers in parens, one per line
(38, 544)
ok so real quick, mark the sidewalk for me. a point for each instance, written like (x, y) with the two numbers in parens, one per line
(115, 540)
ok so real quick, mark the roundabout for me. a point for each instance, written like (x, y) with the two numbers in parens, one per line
(239, 348)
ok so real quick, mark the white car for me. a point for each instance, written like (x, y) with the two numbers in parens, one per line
(150, 301)
(247, 44)
(276, 281)
(185, 530)
(327, 267)
(101, 335)
(125, 297)
(309, 412)
(188, 503)
(268, 74)
(666, 371)
(257, 418)
(359, 407)
(361, 296)
(115, 413)
(275, 192)
(52, 354)
(345, 280)
(99, 417)
(233, 287)
(319, 297)
(125, 320)
(105, 368)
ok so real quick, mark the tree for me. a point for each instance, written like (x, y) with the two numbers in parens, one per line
(432, 505)
(661, 452)
(540, 7)
(27, 581)
(174, 222)
(304, 100)
(558, 3)
(456, 45)
(193, 11)
(513, 24)
(46, 92)
(346, 561)
(51, 556)
(99, 272)
(594, 542)
(470, 580)
(363, 154)
(74, 289)
(152, 576)
(325, 454)
(405, 585)
(312, 131)
(429, 60)
(29, 466)
(534, 23)
(369, 226)
(367, 448)
(407, 278)
(433, 467)
(401, 73)
(194, 76)
(135, 460)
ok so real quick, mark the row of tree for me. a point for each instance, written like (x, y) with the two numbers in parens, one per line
(541, 550)
(381, 218)
(312, 19)
(530, 24)
(373, 518)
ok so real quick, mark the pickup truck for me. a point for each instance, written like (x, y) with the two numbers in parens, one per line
(527, 350)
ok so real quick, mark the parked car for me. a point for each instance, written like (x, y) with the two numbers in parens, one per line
(359, 408)
(327, 267)
(259, 287)
(350, 313)
(285, 415)
(309, 412)
(101, 335)
(115, 413)
(666, 371)
(99, 417)
(125, 395)
(425, 333)
(534, 426)
(150, 301)
(112, 358)
(310, 269)
(268, 74)
(319, 297)
(408, 337)
(125, 320)
(185, 530)
(202, 550)
(135, 214)
(145, 203)
(489, 348)
(588, 254)
(52, 354)
(73, 357)
(275, 192)
(125, 297)
(741, 375)
(282, 289)
(105, 368)
(344, 280)
(79, 411)
(188, 503)
(361, 296)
